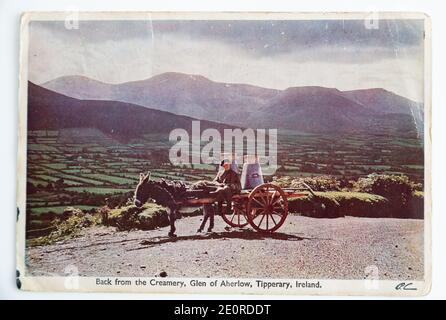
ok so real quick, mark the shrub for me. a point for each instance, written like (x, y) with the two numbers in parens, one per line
(362, 204)
(372, 196)
(69, 212)
(415, 207)
(318, 183)
(398, 189)
(149, 216)
(389, 186)
(68, 227)
(318, 206)
(338, 204)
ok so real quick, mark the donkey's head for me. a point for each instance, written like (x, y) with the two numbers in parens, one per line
(142, 192)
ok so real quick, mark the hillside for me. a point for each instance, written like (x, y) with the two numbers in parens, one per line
(48, 110)
(324, 110)
(306, 109)
(387, 102)
(191, 95)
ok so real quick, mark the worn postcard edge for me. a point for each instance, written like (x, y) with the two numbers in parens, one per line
(330, 287)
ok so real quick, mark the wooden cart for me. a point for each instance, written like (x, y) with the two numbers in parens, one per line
(265, 208)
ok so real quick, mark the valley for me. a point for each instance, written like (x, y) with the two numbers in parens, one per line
(82, 167)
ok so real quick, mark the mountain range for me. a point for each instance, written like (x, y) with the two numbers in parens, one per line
(48, 110)
(307, 109)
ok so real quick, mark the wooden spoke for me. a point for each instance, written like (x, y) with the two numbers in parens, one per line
(272, 201)
(261, 204)
(272, 197)
(261, 220)
(237, 216)
(277, 206)
(272, 218)
(258, 212)
(264, 197)
(276, 201)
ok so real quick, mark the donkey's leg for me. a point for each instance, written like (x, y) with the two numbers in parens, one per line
(172, 217)
(211, 215)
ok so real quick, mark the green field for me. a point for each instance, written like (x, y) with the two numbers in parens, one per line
(98, 190)
(111, 179)
(57, 209)
(81, 168)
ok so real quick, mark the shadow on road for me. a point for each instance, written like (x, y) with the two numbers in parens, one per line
(236, 234)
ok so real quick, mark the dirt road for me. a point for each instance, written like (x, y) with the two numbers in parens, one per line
(303, 248)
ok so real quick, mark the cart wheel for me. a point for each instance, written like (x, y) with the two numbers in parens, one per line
(237, 216)
(267, 208)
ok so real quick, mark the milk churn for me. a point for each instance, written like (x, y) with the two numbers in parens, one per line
(252, 173)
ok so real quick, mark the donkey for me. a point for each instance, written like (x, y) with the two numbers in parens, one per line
(148, 189)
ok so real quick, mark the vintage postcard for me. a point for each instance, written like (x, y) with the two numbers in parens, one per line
(254, 153)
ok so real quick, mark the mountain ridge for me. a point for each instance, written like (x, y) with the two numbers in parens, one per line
(306, 108)
(51, 83)
(49, 110)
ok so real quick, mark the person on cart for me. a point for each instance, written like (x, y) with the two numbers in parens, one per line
(228, 185)
(229, 179)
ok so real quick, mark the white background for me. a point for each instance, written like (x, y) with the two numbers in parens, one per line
(10, 11)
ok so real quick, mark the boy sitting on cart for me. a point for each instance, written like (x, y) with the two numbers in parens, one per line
(229, 185)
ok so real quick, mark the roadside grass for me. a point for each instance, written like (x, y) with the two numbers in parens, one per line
(149, 216)
(128, 217)
(68, 228)
(332, 204)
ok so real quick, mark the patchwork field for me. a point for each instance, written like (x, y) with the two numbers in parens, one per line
(82, 167)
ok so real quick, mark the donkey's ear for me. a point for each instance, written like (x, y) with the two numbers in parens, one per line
(141, 176)
(146, 177)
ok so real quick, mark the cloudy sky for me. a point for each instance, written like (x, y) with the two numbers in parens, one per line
(341, 54)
